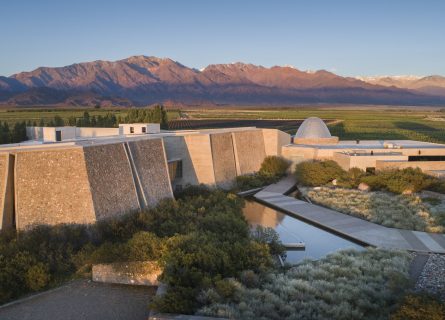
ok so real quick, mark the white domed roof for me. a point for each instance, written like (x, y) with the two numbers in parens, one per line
(313, 128)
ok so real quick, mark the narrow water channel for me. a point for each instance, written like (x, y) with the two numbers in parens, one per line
(318, 242)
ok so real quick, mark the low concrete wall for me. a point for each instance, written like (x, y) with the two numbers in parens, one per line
(84, 132)
(423, 165)
(143, 273)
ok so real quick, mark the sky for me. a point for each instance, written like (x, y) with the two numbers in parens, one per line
(350, 38)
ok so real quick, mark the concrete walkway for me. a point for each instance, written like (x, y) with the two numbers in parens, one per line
(352, 228)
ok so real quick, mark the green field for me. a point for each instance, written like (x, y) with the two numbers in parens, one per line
(380, 123)
(371, 123)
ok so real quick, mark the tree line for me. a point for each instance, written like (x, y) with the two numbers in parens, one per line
(155, 114)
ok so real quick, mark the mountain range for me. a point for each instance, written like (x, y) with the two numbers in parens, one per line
(142, 80)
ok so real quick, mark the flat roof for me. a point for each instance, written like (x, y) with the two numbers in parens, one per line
(373, 144)
(30, 145)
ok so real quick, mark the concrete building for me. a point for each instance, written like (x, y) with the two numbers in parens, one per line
(82, 175)
(313, 141)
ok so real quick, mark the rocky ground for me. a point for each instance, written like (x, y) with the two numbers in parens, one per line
(432, 277)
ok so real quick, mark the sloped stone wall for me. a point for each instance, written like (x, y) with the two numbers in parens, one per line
(250, 151)
(6, 191)
(51, 187)
(111, 180)
(143, 273)
(223, 158)
(151, 167)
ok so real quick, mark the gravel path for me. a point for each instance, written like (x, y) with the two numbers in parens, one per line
(432, 277)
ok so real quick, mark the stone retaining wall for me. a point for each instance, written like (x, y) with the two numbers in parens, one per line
(144, 273)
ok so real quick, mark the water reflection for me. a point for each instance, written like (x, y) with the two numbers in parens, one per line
(318, 242)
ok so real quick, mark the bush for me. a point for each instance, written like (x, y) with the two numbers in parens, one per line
(318, 173)
(398, 181)
(274, 166)
(199, 240)
(419, 307)
(390, 210)
(345, 285)
(37, 277)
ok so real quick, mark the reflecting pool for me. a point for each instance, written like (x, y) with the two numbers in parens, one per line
(318, 242)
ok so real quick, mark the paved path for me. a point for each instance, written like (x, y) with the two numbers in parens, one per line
(83, 300)
(352, 228)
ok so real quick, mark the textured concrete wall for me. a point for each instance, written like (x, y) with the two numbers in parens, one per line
(85, 132)
(223, 159)
(423, 165)
(6, 191)
(151, 168)
(51, 187)
(111, 180)
(144, 273)
(176, 148)
(274, 140)
(200, 152)
(249, 150)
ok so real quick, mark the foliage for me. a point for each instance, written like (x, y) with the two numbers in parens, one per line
(252, 181)
(344, 285)
(395, 211)
(419, 307)
(14, 135)
(317, 173)
(200, 239)
(398, 181)
(156, 114)
(272, 169)
(274, 166)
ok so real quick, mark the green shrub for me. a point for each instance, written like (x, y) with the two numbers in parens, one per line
(274, 166)
(318, 173)
(345, 285)
(37, 277)
(398, 181)
(144, 246)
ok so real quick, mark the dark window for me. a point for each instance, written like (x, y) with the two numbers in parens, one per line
(131, 129)
(426, 158)
(175, 170)
(144, 129)
(58, 135)
(370, 170)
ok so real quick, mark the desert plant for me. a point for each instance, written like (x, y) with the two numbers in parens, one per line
(274, 166)
(318, 173)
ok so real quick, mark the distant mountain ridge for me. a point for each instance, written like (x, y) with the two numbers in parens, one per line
(141, 80)
(434, 85)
